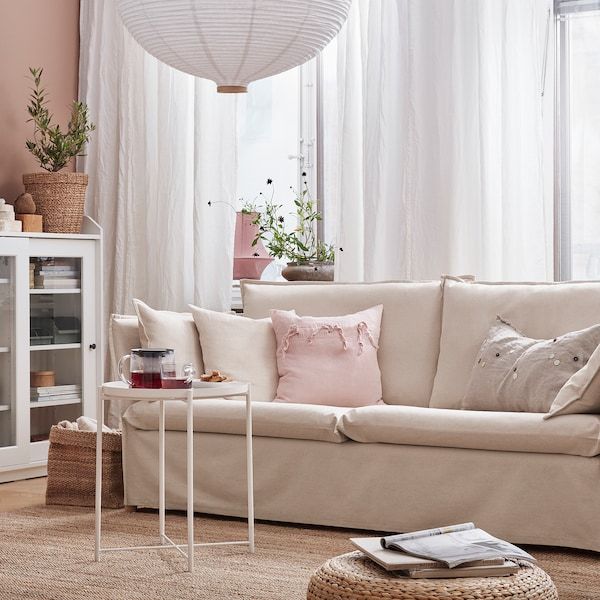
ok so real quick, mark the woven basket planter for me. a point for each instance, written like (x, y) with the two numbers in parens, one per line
(59, 198)
(72, 468)
(353, 576)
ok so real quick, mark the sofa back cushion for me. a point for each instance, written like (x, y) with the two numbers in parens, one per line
(538, 310)
(410, 326)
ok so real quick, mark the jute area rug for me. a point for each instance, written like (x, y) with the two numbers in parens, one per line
(46, 553)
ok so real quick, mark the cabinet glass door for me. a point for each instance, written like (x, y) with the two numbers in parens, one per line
(12, 353)
(55, 342)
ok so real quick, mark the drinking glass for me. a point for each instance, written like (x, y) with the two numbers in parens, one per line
(176, 374)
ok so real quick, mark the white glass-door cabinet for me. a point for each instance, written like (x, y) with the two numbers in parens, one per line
(50, 341)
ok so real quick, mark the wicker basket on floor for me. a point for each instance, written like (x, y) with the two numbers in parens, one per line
(72, 468)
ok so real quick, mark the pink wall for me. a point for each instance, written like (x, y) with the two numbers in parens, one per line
(33, 33)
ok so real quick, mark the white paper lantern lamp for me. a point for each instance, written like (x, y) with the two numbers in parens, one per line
(233, 42)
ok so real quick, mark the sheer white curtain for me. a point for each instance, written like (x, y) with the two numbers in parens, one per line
(435, 116)
(165, 145)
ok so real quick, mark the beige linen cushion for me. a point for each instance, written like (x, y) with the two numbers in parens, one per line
(166, 329)
(269, 419)
(516, 373)
(581, 393)
(578, 435)
(241, 348)
(410, 327)
(543, 311)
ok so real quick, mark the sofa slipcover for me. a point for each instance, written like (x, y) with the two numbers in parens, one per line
(527, 498)
(578, 435)
(538, 310)
(219, 415)
(410, 327)
(544, 495)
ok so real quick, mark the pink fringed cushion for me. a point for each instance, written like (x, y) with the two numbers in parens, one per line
(328, 360)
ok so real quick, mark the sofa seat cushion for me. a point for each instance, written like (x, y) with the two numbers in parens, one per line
(294, 421)
(578, 435)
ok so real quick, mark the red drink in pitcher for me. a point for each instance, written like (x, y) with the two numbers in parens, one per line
(143, 379)
(144, 367)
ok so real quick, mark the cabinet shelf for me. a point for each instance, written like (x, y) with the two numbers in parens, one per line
(54, 347)
(47, 329)
(55, 291)
(43, 403)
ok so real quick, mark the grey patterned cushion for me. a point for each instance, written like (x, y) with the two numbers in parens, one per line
(516, 373)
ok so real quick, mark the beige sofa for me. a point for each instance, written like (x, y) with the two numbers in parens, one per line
(418, 461)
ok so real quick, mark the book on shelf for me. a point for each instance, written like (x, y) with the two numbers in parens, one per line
(55, 263)
(58, 271)
(55, 389)
(455, 551)
(67, 266)
(42, 399)
(56, 283)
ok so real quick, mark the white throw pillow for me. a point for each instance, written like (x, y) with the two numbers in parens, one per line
(581, 393)
(242, 348)
(167, 329)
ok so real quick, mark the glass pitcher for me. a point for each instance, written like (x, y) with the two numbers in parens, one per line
(145, 366)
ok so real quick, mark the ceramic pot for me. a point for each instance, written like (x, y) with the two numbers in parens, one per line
(312, 271)
(248, 261)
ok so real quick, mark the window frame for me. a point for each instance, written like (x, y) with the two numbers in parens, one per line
(563, 247)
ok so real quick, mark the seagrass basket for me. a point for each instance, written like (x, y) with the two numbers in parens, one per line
(72, 468)
(59, 198)
(353, 576)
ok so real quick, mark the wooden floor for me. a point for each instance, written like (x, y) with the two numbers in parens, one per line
(21, 494)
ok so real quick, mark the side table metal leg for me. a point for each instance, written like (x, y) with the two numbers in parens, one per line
(190, 481)
(161, 472)
(249, 471)
(98, 498)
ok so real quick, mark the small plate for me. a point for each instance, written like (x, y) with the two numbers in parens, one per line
(198, 383)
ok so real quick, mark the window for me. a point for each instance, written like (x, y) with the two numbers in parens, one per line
(578, 140)
(277, 138)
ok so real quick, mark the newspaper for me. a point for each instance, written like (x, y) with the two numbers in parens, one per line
(454, 545)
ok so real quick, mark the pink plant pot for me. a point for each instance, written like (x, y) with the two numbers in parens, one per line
(248, 261)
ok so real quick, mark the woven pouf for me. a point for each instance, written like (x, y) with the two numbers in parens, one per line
(354, 577)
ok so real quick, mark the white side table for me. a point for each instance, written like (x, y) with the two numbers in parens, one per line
(118, 390)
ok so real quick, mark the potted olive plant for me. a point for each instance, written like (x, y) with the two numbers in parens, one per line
(308, 258)
(59, 196)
